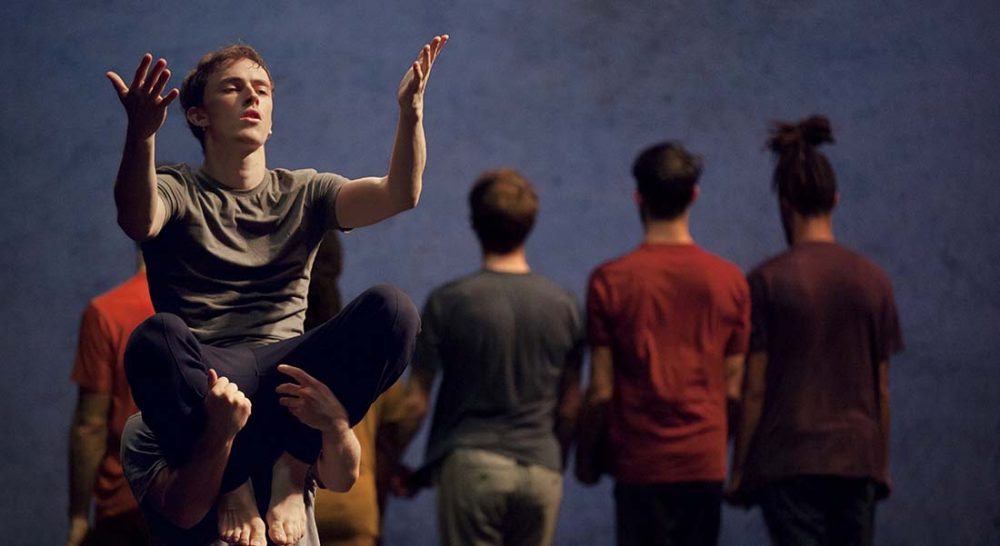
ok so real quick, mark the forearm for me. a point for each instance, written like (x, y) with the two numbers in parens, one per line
(86, 448)
(185, 495)
(749, 413)
(339, 461)
(409, 156)
(567, 409)
(135, 188)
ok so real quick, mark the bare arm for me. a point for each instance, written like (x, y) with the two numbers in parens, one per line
(185, 495)
(87, 443)
(568, 407)
(593, 422)
(883, 391)
(366, 201)
(140, 210)
(734, 388)
(312, 403)
(752, 406)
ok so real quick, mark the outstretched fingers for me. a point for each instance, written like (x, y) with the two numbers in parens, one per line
(141, 70)
(118, 83)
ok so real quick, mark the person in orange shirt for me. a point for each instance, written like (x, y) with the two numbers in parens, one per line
(103, 404)
(354, 518)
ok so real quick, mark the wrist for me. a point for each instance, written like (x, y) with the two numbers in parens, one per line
(411, 113)
(134, 137)
(338, 433)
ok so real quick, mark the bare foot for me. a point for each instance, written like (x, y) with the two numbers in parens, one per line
(286, 515)
(239, 521)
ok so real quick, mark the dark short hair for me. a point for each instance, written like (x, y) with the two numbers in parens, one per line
(504, 206)
(665, 175)
(193, 88)
(803, 177)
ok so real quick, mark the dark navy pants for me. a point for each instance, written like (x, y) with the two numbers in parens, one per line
(358, 354)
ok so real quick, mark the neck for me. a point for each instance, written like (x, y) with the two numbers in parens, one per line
(809, 229)
(668, 231)
(236, 169)
(514, 261)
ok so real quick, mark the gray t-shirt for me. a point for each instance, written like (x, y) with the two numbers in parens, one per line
(502, 342)
(234, 264)
(142, 459)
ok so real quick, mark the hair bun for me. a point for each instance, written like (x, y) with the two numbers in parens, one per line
(793, 137)
(816, 130)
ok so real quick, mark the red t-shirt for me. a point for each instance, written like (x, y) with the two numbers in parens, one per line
(671, 314)
(104, 329)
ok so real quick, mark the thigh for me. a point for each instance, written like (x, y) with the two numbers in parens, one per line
(852, 514)
(534, 507)
(794, 512)
(634, 514)
(688, 513)
(473, 491)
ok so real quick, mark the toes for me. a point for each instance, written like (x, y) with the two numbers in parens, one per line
(258, 533)
(277, 533)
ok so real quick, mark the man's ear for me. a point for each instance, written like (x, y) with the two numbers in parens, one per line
(836, 200)
(695, 192)
(197, 116)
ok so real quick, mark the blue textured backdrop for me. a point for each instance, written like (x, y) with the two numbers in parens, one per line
(566, 91)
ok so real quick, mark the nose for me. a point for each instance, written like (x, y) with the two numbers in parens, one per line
(252, 97)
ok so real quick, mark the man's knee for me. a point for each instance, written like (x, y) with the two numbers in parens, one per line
(150, 352)
(393, 308)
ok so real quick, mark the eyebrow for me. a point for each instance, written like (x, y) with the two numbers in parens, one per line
(236, 79)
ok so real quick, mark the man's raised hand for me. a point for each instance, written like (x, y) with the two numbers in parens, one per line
(310, 401)
(411, 88)
(146, 109)
(226, 407)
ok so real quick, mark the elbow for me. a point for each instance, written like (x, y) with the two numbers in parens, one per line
(410, 201)
(598, 396)
(136, 230)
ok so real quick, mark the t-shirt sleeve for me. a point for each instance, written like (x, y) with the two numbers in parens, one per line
(170, 188)
(141, 457)
(428, 356)
(599, 329)
(95, 353)
(325, 188)
(758, 314)
(575, 356)
(890, 335)
(739, 339)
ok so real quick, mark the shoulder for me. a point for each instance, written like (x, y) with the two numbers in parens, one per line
(720, 265)
(770, 265)
(865, 267)
(453, 288)
(554, 290)
(306, 177)
(137, 437)
(180, 173)
(615, 266)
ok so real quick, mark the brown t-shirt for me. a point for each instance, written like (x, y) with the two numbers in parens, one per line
(826, 317)
(671, 314)
(235, 264)
(104, 329)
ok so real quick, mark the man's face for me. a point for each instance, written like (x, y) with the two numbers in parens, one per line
(237, 105)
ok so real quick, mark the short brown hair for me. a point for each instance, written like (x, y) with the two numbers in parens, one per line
(193, 88)
(504, 206)
(665, 175)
